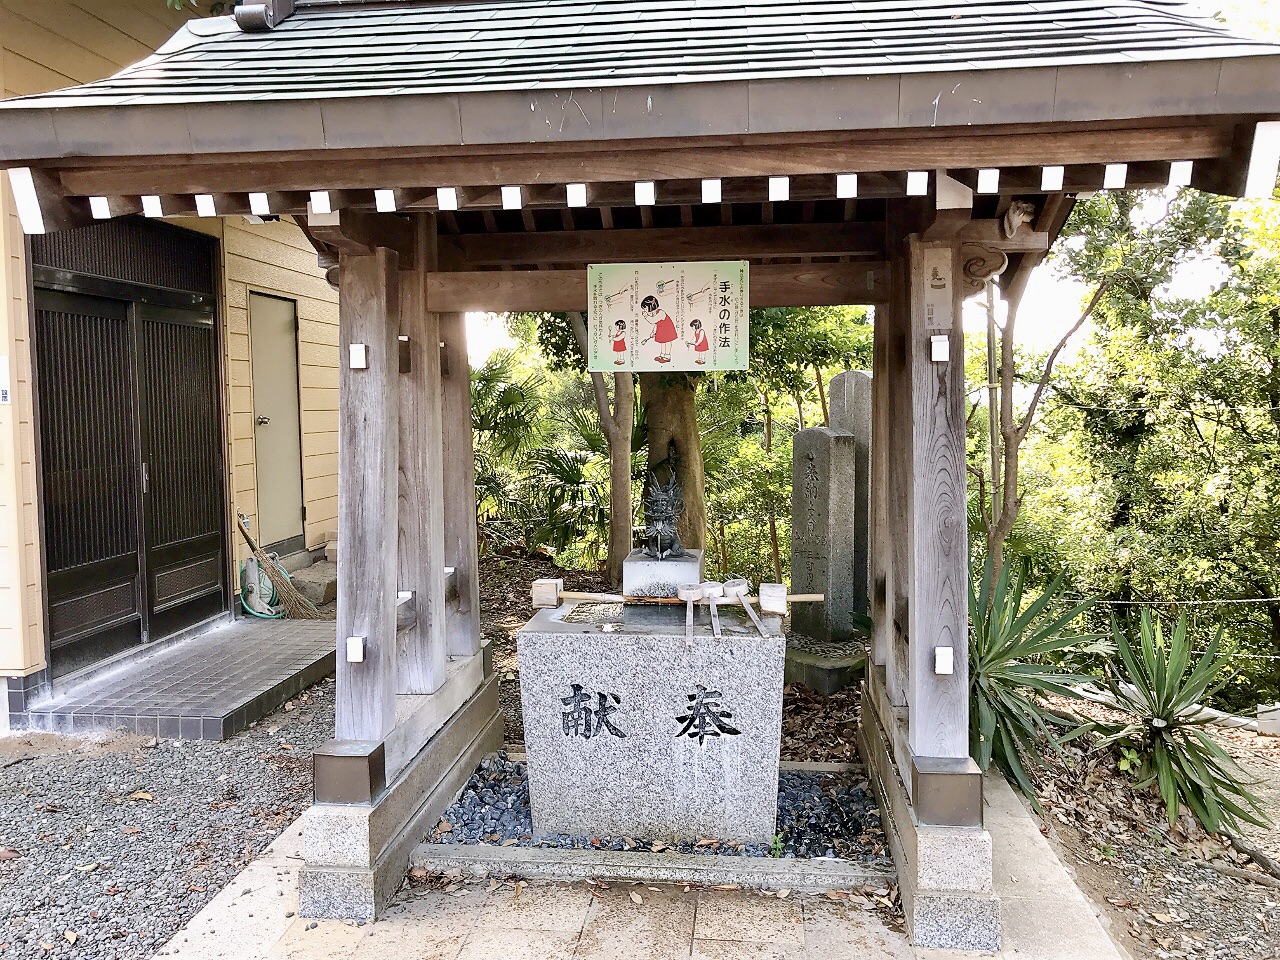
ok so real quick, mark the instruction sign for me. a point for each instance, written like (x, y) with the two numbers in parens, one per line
(667, 316)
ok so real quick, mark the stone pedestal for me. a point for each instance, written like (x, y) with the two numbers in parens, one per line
(633, 730)
(643, 576)
(830, 518)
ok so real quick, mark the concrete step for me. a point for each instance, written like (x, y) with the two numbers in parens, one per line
(318, 582)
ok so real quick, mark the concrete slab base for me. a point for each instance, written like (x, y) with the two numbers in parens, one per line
(550, 863)
(822, 672)
(944, 872)
(357, 854)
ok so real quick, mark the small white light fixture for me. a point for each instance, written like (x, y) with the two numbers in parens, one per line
(28, 202)
(100, 207)
(846, 186)
(940, 348)
(205, 207)
(512, 198)
(646, 193)
(359, 356)
(319, 202)
(989, 180)
(779, 189)
(712, 190)
(944, 661)
(917, 183)
(576, 194)
(1052, 178)
(1264, 161)
(260, 204)
(1115, 175)
(1180, 173)
(355, 649)
(152, 207)
(447, 198)
(385, 201)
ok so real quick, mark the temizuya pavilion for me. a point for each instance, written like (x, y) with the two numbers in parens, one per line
(456, 156)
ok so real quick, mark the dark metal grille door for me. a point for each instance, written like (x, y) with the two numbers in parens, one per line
(84, 359)
(182, 454)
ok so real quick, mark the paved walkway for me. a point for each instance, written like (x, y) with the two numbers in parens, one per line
(1045, 917)
(208, 687)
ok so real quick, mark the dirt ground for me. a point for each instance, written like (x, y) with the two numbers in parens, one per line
(1151, 881)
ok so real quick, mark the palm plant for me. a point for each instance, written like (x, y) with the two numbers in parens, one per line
(1012, 646)
(1161, 690)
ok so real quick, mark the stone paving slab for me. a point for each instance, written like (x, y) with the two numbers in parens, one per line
(208, 687)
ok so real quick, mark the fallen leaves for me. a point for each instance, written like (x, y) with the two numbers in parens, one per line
(141, 796)
(635, 897)
(8, 853)
(71, 936)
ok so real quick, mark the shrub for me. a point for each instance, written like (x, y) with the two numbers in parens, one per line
(1162, 691)
(1011, 650)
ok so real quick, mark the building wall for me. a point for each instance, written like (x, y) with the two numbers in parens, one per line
(45, 44)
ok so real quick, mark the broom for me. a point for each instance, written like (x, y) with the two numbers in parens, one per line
(296, 606)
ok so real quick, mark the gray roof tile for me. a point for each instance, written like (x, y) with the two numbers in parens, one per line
(441, 48)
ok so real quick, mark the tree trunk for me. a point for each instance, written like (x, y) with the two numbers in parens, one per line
(799, 402)
(616, 424)
(822, 396)
(668, 401)
(620, 513)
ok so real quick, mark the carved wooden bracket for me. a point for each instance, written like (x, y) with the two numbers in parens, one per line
(358, 233)
(979, 263)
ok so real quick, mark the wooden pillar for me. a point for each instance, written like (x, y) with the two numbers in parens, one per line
(880, 573)
(463, 621)
(899, 431)
(938, 606)
(368, 310)
(422, 655)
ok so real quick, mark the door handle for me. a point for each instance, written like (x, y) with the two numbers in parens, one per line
(263, 421)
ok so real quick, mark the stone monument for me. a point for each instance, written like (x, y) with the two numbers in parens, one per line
(830, 512)
(633, 729)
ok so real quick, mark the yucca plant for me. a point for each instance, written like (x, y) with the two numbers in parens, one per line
(1011, 647)
(1162, 691)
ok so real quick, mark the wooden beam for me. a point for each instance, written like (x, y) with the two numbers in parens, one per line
(772, 285)
(990, 233)
(736, 156)
(421, 649)
(939, 603)
(461, 550)
(359, 233)
(368, 443)
(664, 243)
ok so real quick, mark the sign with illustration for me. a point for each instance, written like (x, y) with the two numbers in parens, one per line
(667, 316)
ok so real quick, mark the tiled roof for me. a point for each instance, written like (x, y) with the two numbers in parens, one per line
(435, 48)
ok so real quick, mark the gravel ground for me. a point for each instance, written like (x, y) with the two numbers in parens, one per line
(108, 845)
(819, 815)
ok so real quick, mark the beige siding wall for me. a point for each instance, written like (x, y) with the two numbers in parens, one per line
(45, 44)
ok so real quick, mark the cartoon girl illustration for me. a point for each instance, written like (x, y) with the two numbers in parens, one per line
(619, 341)
(664, 328)
(700, 344)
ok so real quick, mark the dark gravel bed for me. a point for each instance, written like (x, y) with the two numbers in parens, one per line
(110, 844)
(819, 815)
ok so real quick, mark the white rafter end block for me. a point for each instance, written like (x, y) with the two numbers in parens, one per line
(385, 201)
(846, 186)
(447, 198)
(989, 180)
(576, 194)
(779, 189)
(1115, 176)
(1180, 173)
(512, 198)
(712, 190)
(28, 201)
(1264, 160)
(917, 183)
(205, 207)
(260, 204)
(152, 207)
(319, 202)
(646, 193)
(100, 207)
(1052, 178)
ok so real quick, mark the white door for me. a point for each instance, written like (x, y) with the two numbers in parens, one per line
(273, 336)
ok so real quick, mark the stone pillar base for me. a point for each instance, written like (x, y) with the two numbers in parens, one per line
(944, 872)
(357, 853)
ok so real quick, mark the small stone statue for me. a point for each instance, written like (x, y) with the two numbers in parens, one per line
(663, 505)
